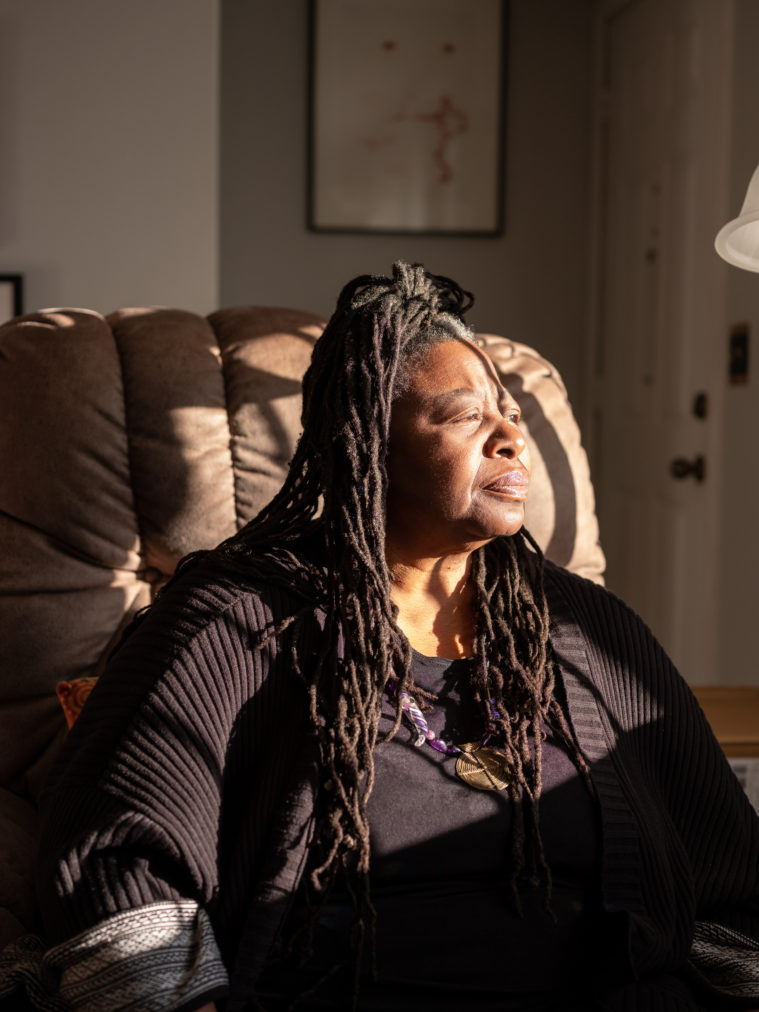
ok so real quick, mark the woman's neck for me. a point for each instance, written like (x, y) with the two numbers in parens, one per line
(434, 598)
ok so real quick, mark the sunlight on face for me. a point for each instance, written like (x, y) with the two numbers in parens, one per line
(458, 463)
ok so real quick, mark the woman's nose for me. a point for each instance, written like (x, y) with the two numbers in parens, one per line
(506, 440)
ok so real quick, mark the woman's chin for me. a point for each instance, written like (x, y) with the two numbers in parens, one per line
(508, 520)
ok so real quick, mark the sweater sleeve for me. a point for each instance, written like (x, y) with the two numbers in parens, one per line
(719, 830)
(672, 804)
(130, 820)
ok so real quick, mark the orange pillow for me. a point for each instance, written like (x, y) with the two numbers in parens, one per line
(73, 695)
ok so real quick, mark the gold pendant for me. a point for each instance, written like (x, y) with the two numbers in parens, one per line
(486, 769)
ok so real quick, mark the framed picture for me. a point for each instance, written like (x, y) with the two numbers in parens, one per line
(406, 127)
(11, 296)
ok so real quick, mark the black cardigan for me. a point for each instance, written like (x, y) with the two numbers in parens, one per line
(185, 793)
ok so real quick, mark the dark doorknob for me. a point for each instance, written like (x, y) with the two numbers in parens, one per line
(681, 468)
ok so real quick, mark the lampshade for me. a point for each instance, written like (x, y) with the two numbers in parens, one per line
(738, 241)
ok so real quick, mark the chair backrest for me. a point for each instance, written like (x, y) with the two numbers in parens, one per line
(561, 508)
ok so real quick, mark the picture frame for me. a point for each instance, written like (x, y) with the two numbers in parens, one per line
(407, 116)
(11, 296)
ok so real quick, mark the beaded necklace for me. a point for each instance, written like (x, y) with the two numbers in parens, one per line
(478, 765)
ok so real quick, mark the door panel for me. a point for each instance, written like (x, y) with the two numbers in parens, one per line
(663, 169)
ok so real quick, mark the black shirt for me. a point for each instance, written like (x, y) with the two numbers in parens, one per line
(449, 936)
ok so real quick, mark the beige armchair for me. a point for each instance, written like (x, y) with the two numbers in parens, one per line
(130, 440)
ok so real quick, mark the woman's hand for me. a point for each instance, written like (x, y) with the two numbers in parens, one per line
(210, 1007)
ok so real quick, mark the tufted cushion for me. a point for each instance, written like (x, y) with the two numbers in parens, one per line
(152, 433)
(560, 512)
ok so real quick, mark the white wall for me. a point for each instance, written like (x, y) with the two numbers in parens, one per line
(530, 284)
(108, 151)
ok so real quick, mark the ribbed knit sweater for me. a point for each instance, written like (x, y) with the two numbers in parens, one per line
(177, 823)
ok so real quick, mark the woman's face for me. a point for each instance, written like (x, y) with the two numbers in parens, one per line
(458, 465)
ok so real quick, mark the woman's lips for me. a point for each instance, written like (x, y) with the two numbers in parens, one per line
(513, 485)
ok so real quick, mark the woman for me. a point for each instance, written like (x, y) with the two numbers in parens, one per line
(371, 747)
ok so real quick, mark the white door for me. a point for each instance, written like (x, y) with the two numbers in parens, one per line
(659, 368)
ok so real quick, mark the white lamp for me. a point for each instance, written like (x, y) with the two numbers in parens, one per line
(738, 241)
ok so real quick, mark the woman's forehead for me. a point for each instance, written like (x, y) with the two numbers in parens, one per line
(453, 367)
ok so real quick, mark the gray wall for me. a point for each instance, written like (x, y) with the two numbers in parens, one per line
(108, 151)
(530, 284)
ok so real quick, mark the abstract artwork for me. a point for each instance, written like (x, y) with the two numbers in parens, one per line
(407, 116)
